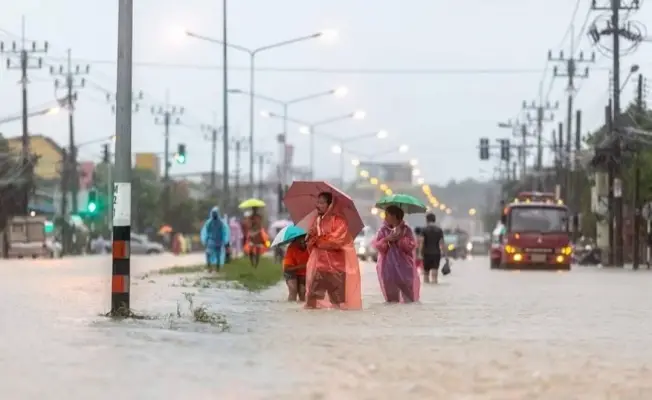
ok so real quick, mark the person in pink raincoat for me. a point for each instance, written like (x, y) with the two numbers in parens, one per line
(396, 267)
(236, 237)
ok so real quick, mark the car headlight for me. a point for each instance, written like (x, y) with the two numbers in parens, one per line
(469, 246)
(451, 247)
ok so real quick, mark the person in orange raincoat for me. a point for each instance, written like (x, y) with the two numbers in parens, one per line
(333, 270)
(257, 240)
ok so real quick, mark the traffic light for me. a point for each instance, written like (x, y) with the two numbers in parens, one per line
(504, 149)
(180, 157)
(105, 153)
(484, 148)
(91, 206)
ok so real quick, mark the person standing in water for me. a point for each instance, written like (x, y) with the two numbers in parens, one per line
(333, 271)
(396, 267)
(431, 251)
(215, 236)
(294, 268)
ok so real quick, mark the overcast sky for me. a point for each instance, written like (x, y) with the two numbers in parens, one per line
(440, 113)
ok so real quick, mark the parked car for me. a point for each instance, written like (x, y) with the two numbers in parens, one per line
(363, 247)
(141, 245)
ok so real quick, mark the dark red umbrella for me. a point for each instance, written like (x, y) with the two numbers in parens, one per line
(301, 200)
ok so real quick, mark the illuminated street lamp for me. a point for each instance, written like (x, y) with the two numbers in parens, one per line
(472, 211)
(327, 34)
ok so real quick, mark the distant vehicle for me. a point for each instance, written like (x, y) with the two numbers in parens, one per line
(139, 244)
(363, 247)
(478, 246)
(535, 234)
(26, 237)
(455, 245)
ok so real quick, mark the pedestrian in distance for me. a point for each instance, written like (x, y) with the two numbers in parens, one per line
(294, 268)
(257, 240)
(396, 266)
(431, 250)
(214, 237)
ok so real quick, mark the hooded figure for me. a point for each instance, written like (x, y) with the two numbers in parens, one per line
(215, 236)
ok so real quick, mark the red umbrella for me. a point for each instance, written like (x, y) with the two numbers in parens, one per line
(301, 198)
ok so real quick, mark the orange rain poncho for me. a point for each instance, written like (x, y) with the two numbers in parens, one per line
(333, 268)
(257, 240)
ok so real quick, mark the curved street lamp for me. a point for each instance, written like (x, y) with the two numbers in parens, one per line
(252, 74)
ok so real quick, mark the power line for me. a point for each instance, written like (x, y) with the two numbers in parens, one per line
(341, 70)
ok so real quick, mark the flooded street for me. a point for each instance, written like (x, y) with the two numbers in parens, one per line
(480, 334)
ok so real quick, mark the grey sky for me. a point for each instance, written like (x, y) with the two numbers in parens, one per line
(440, 116)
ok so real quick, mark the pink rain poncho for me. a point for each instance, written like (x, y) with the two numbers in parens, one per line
(396, 267)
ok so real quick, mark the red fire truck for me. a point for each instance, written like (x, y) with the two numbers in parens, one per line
(534, 234)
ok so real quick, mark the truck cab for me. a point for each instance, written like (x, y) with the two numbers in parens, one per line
(535, 235)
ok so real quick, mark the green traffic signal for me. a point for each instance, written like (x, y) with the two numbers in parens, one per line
(92, 207)
(180, 157)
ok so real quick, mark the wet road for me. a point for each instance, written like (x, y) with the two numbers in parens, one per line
(481, 334)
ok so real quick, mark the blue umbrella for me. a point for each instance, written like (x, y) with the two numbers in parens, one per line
(287, 234)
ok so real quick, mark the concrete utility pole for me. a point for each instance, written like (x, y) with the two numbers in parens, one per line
(615, 29)
(238, 144)
(640, 114)
(167, 115)
(571, 73)
(214, 131)
(540, 118)
(70, 84)
(225, 109)
(21, 57)
(263, 159)
(121, 271)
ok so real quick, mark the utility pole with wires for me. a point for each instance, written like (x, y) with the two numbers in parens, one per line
(65, 230)
(22, 57)
(641, 92)
(540, 118)
(632, 33)
(71, 84)
(571, 73)
(263, 159)
(167, 115)
(238, 144)
(214, 132)
(106, 151)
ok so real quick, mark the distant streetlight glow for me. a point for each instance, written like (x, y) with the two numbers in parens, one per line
(355, 163)
(305, 130)
(359, 114)
(414, 162)
(416, 172)
(337, 149)
(265, 114)
(341, 91)
(421, 181)
(382, 134)
(329, 35)
(404, 148)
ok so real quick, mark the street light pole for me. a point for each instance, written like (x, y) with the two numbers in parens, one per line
(252, 74)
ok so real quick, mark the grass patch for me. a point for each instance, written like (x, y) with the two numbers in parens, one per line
(238, 271)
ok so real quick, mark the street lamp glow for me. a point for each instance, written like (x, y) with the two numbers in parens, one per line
(414, 162)
(328, 35)
(364, 174)
(305, 130)
(53, 111)
(421, 181)
(442, 207)
(359, 114)
(404, 148)
(449, 211)
(472, 212)
(355, 163)
(416, 172)
(337, 149)
(341, 91)
(373, 181)
(265, 114)
(382, 134)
